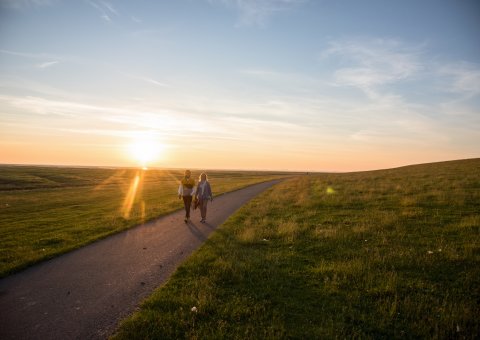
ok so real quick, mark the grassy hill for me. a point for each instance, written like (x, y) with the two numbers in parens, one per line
(46, 211)
(381, 254)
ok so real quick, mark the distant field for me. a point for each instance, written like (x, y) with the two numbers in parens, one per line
(46, 211)
(381, 254)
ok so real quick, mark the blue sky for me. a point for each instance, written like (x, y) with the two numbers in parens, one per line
(263, 84)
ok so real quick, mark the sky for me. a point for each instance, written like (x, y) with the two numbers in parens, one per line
(319, 85)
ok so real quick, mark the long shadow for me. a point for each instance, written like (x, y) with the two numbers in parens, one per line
(209, 226)
(196, 232)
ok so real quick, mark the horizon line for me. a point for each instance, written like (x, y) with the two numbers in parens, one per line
(222, 169)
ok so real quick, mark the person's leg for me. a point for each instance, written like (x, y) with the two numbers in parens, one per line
(187, 201)
(203, 209)
(185, 204)
(189, 204)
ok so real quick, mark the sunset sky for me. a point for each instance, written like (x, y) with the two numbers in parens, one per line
(319, 85)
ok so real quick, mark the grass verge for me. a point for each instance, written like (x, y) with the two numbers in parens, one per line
(46, 211)
(383, 254)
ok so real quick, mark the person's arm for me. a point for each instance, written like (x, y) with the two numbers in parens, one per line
(210, 192)
(180, 191)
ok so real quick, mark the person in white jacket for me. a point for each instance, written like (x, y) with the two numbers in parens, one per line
(186, 190)
(203, 195)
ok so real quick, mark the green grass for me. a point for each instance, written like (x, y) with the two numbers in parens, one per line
(46, 211)
(381, 254)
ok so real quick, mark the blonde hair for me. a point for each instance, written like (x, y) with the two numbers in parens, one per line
(201, 175)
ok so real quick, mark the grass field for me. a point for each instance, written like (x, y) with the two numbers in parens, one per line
(46, 211)
(381, 254)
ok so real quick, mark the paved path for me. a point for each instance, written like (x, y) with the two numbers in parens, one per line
(85, 293)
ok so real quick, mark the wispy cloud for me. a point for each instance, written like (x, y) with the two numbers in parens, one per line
(20, 4)
(30, 55)
(144, 79)
(40, 88)
(292, 80)
(258, 12)
(129, 117)
(47, 64)
(462, 78)
(373, 62)
(43, 106)
(153, 81)
(136, 19)
(106, 9)
(43, 56)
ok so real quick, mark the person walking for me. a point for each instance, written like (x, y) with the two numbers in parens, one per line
(186, 190)
(203, 194)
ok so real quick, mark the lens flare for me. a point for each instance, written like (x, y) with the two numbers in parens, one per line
(132, 193)
(330, 191)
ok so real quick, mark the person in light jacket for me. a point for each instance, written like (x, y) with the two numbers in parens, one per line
(203, 195)
(186, 190)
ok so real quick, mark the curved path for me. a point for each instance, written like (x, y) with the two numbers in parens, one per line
(85, 293)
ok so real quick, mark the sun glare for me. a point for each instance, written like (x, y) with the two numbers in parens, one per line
(145, 151)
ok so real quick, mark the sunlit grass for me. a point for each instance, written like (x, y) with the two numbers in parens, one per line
(48, 211)
(391, 254)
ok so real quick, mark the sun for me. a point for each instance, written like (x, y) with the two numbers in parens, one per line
(145, 150)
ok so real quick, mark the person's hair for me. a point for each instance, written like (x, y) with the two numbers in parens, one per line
(187, 172)
(201, 175)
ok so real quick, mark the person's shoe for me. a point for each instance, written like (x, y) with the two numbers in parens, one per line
(203, 220)
(186, 220)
